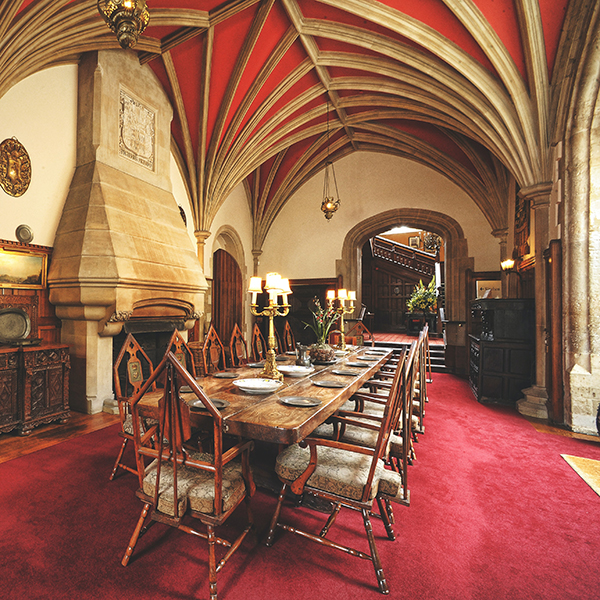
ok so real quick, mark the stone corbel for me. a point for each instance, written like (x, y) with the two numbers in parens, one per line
(114, 324)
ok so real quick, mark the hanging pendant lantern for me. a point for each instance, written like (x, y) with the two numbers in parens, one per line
(126, 18)
(331, 202)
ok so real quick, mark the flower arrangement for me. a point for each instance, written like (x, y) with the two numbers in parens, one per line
(423, 298)
(322, 321)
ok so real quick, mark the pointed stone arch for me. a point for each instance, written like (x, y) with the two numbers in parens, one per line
(457, 260)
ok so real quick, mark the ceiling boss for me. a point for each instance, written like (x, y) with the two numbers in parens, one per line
(15, 167)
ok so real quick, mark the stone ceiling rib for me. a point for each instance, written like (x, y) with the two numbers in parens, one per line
(232, 85)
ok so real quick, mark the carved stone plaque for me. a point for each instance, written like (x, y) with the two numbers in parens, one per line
(15, 167)
(137, 131)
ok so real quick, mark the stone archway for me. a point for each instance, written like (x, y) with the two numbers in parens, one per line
(457, 260)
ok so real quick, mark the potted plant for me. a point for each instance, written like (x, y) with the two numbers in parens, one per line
(423, 298)
(321, 351)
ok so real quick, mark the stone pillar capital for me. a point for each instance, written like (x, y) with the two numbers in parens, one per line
(538, 194)
(501, 234)
(256, 254)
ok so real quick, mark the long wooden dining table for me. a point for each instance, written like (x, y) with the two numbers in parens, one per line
(266, 417)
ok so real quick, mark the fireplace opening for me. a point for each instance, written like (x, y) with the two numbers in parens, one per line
(152, 336)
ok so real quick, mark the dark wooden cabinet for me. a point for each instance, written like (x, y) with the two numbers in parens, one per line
(9, 399)
(501, 349)
(34, 386)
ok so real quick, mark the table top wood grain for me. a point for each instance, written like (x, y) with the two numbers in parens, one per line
(264, 417)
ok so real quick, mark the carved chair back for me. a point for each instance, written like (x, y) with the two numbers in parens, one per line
(213, 352)
(289, 341)
(238, 349)
(258, 344)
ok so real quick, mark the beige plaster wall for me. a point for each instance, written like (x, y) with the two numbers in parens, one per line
(41, 112)
(303, 244)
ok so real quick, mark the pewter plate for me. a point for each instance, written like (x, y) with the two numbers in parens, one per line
(300, 401)
(15, 324)
(197, 404)
(357, 364)
(344, 372)
(329, 383)
(225, 375)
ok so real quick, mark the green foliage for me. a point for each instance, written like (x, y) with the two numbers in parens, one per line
(322, 321)
(423, 299)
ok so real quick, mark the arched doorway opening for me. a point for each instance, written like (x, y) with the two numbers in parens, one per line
(227, 294)
(228, 274)
(393, 264)
(456, 260)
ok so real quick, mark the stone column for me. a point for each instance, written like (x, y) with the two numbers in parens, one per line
(502, 236)
(256, 258)
(534, 404)
(201, 237)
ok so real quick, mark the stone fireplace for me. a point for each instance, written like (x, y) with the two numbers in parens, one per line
(122, 259)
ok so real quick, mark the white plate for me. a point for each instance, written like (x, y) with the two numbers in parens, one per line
(258, 385)
(295, 370)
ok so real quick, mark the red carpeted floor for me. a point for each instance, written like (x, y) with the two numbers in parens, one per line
(495, 513)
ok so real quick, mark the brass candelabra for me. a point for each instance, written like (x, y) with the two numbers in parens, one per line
(276, 286)
(341, 309)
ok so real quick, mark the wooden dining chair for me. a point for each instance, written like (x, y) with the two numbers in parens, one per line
(346, 475)
(130, 370)
(213, 353)
(180, 482)
(238, 349)
(178, 346)
(289, 341)
(358, 335)
(258, 344)
(358, 424)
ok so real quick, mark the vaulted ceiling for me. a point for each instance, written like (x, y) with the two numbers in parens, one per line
(266, 91)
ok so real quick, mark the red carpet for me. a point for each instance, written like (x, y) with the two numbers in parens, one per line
(496, 513)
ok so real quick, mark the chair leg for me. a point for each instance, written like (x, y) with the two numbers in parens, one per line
(385, 517)
(212, 562)
(118, 461)
(383, 586)
(273, 525)
(330, 520)
(390, 511)
(136, 534)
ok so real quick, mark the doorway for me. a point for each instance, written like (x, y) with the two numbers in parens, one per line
(227, 294)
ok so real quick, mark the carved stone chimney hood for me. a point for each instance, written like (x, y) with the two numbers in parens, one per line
(121, 250)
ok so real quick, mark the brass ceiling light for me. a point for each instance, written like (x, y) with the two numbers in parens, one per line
(330, 202)
(127, 18)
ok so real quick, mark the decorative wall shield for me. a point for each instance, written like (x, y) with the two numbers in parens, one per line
(15, 167)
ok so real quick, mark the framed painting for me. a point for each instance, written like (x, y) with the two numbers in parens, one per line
(20, 269)
(414, 242)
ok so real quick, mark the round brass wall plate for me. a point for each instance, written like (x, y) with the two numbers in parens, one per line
(24, 234)
(15, 167)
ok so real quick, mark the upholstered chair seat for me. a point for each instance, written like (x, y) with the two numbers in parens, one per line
(195, 488)
(338, 472)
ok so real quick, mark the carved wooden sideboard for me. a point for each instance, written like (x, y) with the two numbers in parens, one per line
(501, 349)
(34, 386)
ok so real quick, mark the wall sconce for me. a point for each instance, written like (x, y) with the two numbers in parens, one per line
(343, 295)
(276, 286)
(126, 18)
(507, 265)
